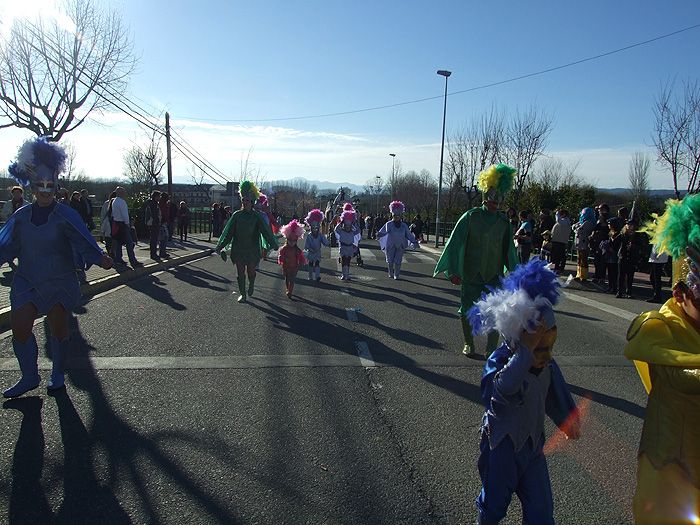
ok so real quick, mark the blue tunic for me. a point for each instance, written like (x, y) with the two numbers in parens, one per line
(48, 255)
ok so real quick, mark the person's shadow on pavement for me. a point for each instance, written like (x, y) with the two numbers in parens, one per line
(28, 502)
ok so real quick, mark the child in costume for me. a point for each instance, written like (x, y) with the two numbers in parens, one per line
(290, 255)
(347, 233)
(50, 241)
(520, 384)
(665, 348)
(394, 237)
(358, 256)
(243, 232)
(262, 206)
(313, 243)
(480, 248)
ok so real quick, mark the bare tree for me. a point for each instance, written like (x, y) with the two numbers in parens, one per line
(53, 77)
(471, 150)
(639, 175)
(527, 136)
(677, 133)
(143, 165)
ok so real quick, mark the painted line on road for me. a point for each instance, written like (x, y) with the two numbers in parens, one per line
(614, 310)
(241, 362)
(364, 354)
(421, 257)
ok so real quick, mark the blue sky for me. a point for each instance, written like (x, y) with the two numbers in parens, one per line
(241, 63)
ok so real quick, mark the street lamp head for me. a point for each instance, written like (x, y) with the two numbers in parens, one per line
(444, 73)
(392, 154)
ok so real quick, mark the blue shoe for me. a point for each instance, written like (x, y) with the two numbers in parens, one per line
(26, 354)
(59, 349)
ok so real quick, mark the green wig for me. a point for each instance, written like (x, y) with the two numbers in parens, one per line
(678, 227)
(248, 189)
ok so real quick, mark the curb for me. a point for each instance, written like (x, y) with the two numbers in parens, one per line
(97, 286)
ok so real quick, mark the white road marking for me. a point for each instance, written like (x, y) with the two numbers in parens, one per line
(235, 362)
(363, 352)
(421, 257)
(614, 310)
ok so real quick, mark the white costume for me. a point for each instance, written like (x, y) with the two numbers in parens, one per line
(394, 240)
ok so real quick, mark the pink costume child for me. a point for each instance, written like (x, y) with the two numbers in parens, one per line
(347, 232)
(290, 255)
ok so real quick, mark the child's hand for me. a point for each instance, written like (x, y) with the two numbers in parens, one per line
(572, 427)
(531, 340)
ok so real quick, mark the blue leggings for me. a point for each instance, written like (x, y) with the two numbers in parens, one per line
(504, 472)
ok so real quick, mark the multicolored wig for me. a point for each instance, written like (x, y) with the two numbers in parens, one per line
(496, 181)
(315, 217)
(293, 230)
(348, 216)
(527, 296)
(38, 161)
(248, 190)
(397, 208)
(348, 207)
(587, 214)
(677, 232)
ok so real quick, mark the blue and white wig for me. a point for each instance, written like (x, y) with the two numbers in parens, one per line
(527, 295)
(38, 160)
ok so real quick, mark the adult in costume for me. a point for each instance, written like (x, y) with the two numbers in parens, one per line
(665, 348)
(520, 384)
(243, 232)
(50, 242)
(583, 230)
(480, 248)
(394, 237)
(313, 243)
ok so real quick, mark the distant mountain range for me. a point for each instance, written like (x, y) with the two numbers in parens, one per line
(321, 185)
(625, 191)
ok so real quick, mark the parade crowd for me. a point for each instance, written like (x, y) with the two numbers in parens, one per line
(505, 294)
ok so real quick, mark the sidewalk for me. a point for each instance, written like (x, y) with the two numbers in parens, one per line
(99, 279)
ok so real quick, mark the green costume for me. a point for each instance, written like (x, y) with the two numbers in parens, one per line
(479, 251)
(246, 231)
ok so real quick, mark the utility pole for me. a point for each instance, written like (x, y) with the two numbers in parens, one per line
(167, 150)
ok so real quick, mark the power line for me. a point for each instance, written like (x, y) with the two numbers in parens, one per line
(142, 117)
(468, 90)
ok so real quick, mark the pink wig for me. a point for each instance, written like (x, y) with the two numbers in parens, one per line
(348, 207)
(314, 216)
(293, 230)
(348, 215)
(262, 200)
(396, 208)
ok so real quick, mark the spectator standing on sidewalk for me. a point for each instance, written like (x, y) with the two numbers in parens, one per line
(183, 220)
(87, 208)
(369, 225)
(609, 248)
(523, 237)
(164, 204)
(561, 232)
(657, 261)
(153, 221)
(49, 240)
(106, 223)
(600, 233)
(172, 218)
(217, 222)
(15, 203)
(583, 230)
(121, 229)
(628, 256)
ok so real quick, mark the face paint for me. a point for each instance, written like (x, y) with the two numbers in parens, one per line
(44, 186)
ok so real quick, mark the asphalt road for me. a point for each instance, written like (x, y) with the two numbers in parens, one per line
(350, 404)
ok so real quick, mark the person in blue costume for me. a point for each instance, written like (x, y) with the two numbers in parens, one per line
(50, 242)
(520, 384)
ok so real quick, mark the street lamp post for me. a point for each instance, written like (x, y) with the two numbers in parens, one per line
(393, 163)
(379, 181)
(445, 74)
